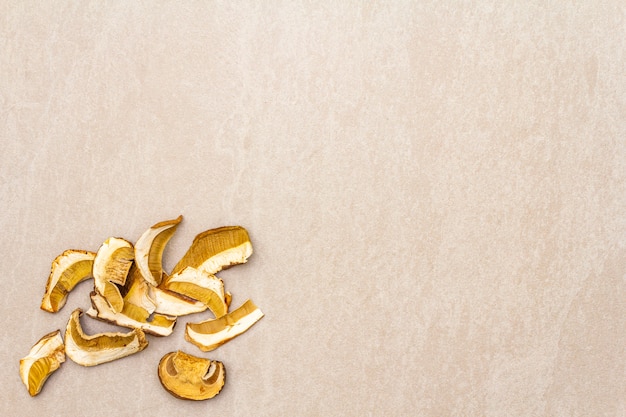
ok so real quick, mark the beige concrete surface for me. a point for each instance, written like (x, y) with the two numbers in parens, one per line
(435, 192)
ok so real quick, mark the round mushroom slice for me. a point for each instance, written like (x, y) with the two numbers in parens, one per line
(149, 249)
(110, 267)
(45, 357)
(68, 269)
(102, 347)
(217, 249)
(191, 378)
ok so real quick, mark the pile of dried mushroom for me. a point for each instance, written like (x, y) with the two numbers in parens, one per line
(132, 290)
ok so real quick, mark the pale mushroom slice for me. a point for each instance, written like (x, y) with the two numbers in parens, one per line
(211, 334)
(158, 300)
(173, 304)
(149, 249)
(199, 285)
(216, 249)
(138, 291)
(91, 350)
(45, 357)
(131, 316)
(110, 267)
(68, 270)
(189, 377)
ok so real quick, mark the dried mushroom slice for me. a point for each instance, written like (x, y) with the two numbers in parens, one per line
(100, 348)
(131, 316)
(68, 269)
(189, 377)
(211, 334)
(138, 291)
(141, 293)
(45, 357)
(216, 249)
(201, 286)
(173, 304)
(110, 267)
(149, 249)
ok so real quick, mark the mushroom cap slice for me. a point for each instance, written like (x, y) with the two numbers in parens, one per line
(131, 316)
(149, 249)
(199, 285)
(170, 303)
(102, 347)
(68, 269)
(45, 357)
(211, 334)
(189, 377)
(110, 267)
(216, 249)
(153, 299)
(138, 291)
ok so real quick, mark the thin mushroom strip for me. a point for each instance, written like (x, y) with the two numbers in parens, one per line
(149, 249)
(209, 335)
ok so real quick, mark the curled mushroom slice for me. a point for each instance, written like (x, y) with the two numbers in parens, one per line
(68, 269)
(149, 249)
(138, 291)
(141, 293)
(199, 285)
(173, 304)
(211, 334)
(131, 316)
(189, 377)
(110, 267)
(100, 348)
(45, 357)
(216, 249)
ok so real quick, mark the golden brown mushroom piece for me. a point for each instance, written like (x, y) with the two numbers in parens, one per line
(199, 285)
(217, 249)
(211, 334)
(68, 269)
(131, 316)
(100, 348)
(149, 249)
(191, 378)
(45, 357)
(110, 267)
(138, 291)
(170, 303)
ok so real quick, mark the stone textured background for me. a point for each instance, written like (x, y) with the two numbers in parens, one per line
(435, 191)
